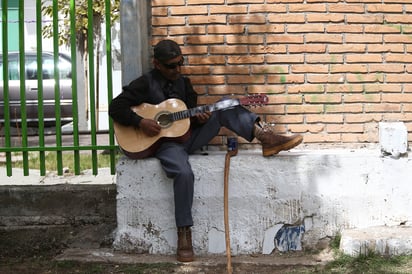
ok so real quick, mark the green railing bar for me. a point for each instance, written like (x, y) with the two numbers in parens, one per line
(90, 48)
(75, 106)
(6, 98)
(58, 148)
(22, 66)
(42, 156)
(57, 86)
(110, 81)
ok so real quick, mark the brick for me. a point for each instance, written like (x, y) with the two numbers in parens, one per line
(307, 8)
(234, 79)
(321, 78)
(284, 79)
(309, 68)
(347, 108)
(398, 19)
(364, 118)
(226, 89)
(192, 70)
(396, 78)
(284, 59)
(286, 119)
(306, 128)
(365, 19)
(363, 38)
(323, 98)
(364, 78)
(205, 39)
(164, 21)
(232, 49)
(266, 29)
(285, 99)
(322, 138)
(396, 48)
(347, 48)
(355, 68)
(269, 49)
(239, 69)
(389, 68)
(323, 58)
(287, 38)
(325, 18)
(221, 9)
(205, 2)
(355, 128)
(267, 89)
(324, 118)
(306, 88)
(398, 58)
(382, 29)
(361, 98)
(208, 60)
(278, 8)
(209, 19)
(293, 28)
(247, 19)
(255, 59)
(270, 69)
(382, 107)
(286, 18)
(296, 109)
(339, 28)
(207, 80)
(244, 39)
(307, 48)
(219, 29)
(397, 98)
(346, 8)
(397, 38)
(156, 3)
(188, 10)
(182, 30)
(364, 58)
(323, 38)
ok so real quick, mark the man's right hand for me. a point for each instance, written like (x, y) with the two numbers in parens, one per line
(149, 127)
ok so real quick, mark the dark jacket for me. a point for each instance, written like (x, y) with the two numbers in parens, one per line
(150, 88)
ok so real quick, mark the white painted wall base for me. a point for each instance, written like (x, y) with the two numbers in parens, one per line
(283, 202)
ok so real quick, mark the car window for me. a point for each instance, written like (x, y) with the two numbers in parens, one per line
(48, 65)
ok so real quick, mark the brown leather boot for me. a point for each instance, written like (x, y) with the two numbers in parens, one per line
(184, 244)
(273, 143)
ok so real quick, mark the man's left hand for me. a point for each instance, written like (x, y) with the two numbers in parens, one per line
(203, 117)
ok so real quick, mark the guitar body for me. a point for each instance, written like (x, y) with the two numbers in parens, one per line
(137, 145)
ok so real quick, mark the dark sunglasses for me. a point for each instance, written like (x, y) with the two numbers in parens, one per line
(174, 65)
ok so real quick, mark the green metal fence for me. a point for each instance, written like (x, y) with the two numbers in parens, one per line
(24, 148)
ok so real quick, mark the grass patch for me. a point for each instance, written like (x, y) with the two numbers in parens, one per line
(68, 160)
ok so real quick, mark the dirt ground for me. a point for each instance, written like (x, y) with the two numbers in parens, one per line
(108, 261)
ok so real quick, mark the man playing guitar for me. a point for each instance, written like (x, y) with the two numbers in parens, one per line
(163, 82)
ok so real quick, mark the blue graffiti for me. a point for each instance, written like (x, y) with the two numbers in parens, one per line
(288, 238)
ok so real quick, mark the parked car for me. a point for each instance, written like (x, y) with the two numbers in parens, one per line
(31, 89)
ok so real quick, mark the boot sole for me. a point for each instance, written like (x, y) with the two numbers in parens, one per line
(289, 145)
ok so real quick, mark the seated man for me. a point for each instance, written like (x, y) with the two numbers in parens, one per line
(164, 82)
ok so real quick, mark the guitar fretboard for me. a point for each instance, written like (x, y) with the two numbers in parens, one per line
(179, 115)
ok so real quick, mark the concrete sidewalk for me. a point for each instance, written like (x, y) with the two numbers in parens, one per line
(274, 263)
(51, 178)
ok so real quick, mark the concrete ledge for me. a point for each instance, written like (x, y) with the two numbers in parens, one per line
(288, 202)
(381, 240)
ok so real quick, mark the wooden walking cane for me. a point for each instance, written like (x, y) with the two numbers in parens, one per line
(232, 151)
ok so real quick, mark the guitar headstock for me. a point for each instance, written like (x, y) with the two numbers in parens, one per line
(254, 100)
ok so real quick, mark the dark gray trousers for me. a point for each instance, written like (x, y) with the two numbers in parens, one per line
(174, 157)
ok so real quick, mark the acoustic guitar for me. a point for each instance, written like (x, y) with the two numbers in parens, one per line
(173, 117)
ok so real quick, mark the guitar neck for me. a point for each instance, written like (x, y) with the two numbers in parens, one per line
(179, 115)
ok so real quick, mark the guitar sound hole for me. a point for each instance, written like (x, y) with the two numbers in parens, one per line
(164, 120)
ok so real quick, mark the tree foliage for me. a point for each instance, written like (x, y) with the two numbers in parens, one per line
(81, 26)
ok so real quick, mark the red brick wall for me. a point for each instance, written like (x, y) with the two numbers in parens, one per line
(332, 69)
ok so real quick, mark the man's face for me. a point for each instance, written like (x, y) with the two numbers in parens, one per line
(170, 69)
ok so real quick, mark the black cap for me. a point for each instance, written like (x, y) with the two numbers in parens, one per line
(166, 50)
